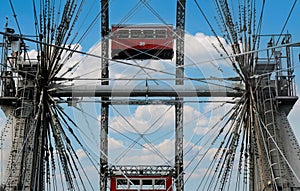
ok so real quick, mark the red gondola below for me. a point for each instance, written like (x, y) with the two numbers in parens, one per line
(142, 42)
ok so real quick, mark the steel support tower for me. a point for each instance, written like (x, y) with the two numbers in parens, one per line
(180, 35)
(278, 167)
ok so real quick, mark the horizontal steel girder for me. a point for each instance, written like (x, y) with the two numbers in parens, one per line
(145, 91)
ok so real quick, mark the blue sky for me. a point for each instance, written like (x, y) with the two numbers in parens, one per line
(275, 14)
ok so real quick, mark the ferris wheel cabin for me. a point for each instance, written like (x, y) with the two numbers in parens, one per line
(142, 42)
(142, 178)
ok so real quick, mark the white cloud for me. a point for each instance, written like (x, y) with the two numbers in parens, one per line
(200, 47)
(201, 130)
(201, 54)
(81, 154)
(114, 143)
(32, 54)
(166, 147)
(150, 118)
(145, 119)
(148, 154)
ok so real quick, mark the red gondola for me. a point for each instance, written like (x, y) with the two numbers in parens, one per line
(142, 42)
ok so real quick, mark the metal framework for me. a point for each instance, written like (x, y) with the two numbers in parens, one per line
(180, 31)
(180, 35)
(273, 152)
(104, 106)
(275, 169)
(234, 90)
(141, 170)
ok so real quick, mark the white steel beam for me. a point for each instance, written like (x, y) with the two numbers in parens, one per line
(144, 91)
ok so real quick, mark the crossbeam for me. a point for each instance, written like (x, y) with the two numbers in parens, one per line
(146, 91)
(137, 170)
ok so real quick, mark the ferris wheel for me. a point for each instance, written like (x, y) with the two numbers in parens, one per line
(143, 104)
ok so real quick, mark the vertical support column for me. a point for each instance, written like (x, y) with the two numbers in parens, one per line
(180, 31)
(104, 107)
(251, 154)
(4, 45)
(179, 183)
(3, 66)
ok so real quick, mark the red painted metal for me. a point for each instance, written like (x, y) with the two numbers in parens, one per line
(142, 42)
